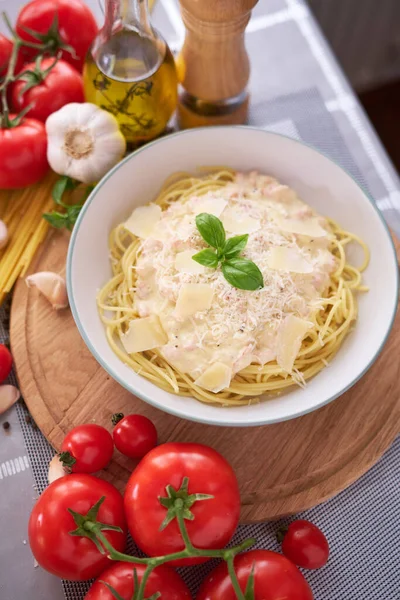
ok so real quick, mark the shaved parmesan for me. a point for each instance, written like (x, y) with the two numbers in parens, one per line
(282, 258)
(212, 206)
(143, 220)
(193, 297)
(215, 378)
(239, 223)
(184, 263)
(291, 333)
(144, 334)
(309, 227)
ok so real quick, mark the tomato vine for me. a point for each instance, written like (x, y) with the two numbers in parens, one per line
(178, 503)
(43, 46)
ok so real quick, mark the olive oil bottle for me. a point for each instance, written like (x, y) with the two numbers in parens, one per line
(131, 73)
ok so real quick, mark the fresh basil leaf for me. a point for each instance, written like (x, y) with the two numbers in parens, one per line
(67, 219)
(62, 185)
(242, 274)
(211, 230)
(56, 219)
(235, 245)
(207, 257)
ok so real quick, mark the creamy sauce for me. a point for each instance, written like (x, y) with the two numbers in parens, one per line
(241, 327)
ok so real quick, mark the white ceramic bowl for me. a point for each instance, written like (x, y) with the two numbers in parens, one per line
(318, 181)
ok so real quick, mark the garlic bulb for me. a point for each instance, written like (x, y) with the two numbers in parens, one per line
(3, 235)
(84, 142)
(52, 286)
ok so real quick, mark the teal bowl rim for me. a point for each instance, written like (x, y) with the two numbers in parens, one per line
(145, 397)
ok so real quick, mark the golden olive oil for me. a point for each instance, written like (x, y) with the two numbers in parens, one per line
(135, 80)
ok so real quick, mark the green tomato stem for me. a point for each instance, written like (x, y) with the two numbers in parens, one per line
(182, 527)
(160, 560)
(146, 575)
(234, 579)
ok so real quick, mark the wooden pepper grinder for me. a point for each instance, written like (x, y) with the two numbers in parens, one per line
(213, 64)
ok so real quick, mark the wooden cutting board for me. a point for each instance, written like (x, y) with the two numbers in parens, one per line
(282, 469)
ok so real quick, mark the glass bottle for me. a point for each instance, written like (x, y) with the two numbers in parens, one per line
(130, 71)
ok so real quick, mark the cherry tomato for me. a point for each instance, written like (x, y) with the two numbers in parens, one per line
(120, 577)
(215, 519)
(134, 435)
(6, 47)
(5, 362)
(64, 555)
(23, 152)
(275, 578)
(90, 446)
(76, 26)
(305, 545)
(60, 86)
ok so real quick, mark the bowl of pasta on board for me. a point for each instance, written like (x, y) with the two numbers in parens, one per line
(232, 276)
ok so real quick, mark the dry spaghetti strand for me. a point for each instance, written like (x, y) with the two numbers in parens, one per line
(22, 211)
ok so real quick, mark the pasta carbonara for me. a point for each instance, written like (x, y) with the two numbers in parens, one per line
(184, 327)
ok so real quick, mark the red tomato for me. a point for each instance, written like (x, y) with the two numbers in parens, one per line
(61, 85)
(135, 435)
(120, 577)
(6, 47)
(215, 519)
(77, 26)
(90, 445)
(5, 362)
(64, 555)
(275, 578)
(305, 545)
(23, 152)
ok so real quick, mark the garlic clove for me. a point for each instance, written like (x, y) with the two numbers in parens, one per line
(52, 286)
(85, 113)
(3, 234)
(9, 394)
(56, 469)
(56, 155)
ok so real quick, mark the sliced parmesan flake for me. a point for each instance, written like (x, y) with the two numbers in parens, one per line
(184, 263)
(282, 258)
(143, 220)
(212, 206)
(308, 227)
(290, 336)
(239, 224)
(144, 334)
(193, 297)
(215, 378)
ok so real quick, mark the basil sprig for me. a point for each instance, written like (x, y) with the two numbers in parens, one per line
(239, 272)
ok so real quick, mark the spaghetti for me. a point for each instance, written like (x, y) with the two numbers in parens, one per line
(22, 212)
(330, 314)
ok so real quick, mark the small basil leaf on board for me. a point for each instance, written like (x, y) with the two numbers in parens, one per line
(63, 184)
(211, 230)
(56, 219)
(234, 246)
(242, 274)
(206, 257)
